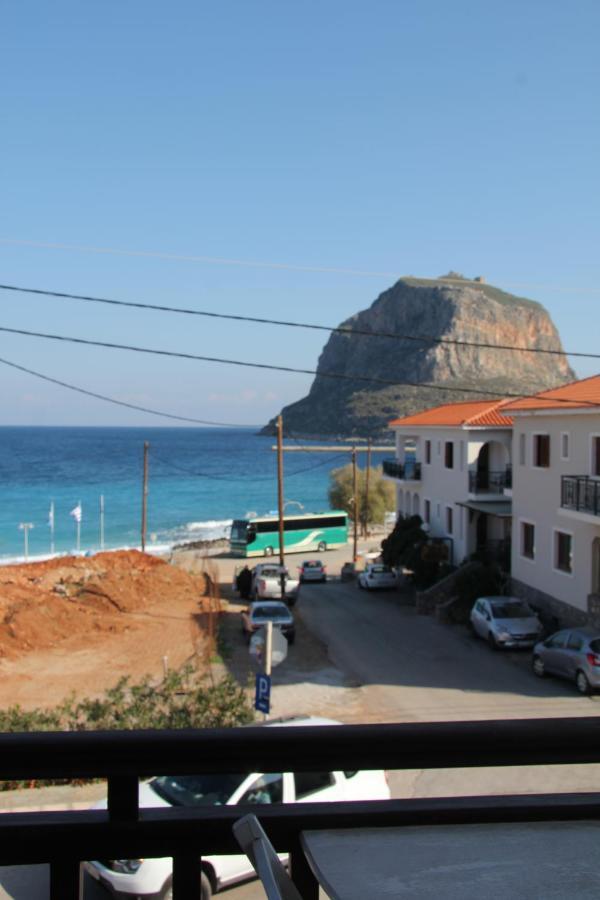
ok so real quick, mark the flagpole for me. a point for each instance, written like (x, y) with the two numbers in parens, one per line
(79, 528)
(102, 521)
(51, 523)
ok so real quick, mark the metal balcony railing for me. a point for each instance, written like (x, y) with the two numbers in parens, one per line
(490, 482)
(407, 471)
(124, 831)
(580, 493)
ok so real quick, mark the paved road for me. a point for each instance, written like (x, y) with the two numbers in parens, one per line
(414, 668)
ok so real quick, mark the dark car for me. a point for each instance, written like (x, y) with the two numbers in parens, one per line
(574, 654)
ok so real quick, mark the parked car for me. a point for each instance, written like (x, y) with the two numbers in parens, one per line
(151, 878)
(262, 611)
(573, 653)
(312, 570)
(506, 622)
(266, 583)
(376, 576)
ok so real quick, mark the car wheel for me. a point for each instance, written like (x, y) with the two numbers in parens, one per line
(538, 666)
(583, 685)
(268, 551)
(492, 641)
(322, 547)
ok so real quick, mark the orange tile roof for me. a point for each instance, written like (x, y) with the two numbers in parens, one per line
(470, 413)
(584, 394)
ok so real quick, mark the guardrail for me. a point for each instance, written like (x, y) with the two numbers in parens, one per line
(490, 482)
(407, 471)
(124, 831)
(580, 493)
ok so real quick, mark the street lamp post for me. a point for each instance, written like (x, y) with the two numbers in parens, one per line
(24, 527)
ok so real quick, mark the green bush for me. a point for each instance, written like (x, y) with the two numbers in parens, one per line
(178, 702)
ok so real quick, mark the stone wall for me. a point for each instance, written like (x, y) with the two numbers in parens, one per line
(553, 612)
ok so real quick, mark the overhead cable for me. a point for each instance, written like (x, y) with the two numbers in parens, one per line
(260, 320)
(339, 376)
(146, 409)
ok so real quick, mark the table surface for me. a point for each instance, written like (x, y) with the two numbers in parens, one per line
(549, 860)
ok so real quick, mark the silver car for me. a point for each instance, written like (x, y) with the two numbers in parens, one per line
(505, 622)
(572, 653)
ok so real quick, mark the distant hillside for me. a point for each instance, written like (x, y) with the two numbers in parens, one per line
(452, 308)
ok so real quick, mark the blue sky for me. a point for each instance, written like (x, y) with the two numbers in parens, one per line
(390, 137)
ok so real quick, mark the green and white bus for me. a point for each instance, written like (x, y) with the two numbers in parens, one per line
(311, 531)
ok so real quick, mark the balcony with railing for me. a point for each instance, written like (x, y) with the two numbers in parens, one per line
(409, 470)
(580, 493)
(487, 482)
(124, 831)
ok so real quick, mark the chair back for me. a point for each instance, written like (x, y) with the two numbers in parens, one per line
(253, 840)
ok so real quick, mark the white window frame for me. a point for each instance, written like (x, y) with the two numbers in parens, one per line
(439, 448)
(461, 455)
(533, 445)
(426, 505)
(565, 457)
(529, 559)
(555, 532)
(426, 443)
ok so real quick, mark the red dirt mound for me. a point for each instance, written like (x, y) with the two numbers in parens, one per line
(43, 604)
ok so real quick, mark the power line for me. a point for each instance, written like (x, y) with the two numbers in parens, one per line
(350, 332)
(340, 376)
(266, 264)
(80, 390)
(216, 477)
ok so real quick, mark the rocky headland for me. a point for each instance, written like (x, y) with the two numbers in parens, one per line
(428, 318)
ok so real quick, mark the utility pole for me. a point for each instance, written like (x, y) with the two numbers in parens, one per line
(368, 472)
(355, 505)
(280, 502)
(145, 496)
(24, 527)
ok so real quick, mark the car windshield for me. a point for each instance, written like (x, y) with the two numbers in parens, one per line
(196, 790)
(270, 612)
(380, 570)
(512, 610)
(312, 565)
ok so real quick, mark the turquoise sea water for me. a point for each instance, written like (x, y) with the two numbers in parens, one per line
(199, 479)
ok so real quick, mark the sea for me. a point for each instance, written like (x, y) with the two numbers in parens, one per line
(199, 480)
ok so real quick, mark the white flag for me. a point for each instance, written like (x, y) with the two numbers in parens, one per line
(76, 513)
(51, 516)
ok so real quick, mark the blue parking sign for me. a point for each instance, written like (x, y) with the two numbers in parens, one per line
(262, 700)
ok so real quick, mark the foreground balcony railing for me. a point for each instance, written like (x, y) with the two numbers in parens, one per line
(406, 471)
(124, 831)
(580, 493)
(490, 482)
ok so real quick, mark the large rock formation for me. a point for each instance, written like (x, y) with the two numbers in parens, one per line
(450, 308)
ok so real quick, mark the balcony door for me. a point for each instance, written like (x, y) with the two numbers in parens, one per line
(483, 468)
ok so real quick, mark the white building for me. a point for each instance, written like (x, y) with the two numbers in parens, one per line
(453, 468)
(556, 499)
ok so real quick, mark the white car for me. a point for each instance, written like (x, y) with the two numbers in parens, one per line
(266, 583)
(376, 576)
(312, 570)
(506, 622)
(151, 878)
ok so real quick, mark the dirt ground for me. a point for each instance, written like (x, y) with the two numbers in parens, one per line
(77, 625)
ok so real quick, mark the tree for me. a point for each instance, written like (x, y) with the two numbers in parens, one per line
(381, 493)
